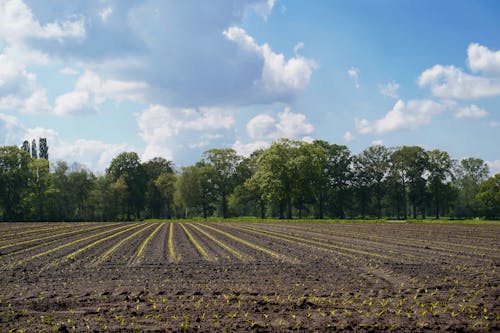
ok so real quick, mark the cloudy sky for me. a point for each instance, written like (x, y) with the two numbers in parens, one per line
(175, 78)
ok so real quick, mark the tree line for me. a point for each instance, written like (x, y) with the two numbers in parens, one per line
(290, 179)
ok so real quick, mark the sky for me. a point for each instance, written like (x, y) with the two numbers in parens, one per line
(173, 79)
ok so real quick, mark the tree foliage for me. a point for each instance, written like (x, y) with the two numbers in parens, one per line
(289, 179)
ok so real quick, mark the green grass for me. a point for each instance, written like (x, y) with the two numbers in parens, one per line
(310, 220)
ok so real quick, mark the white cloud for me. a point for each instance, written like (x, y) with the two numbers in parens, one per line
(246, 149)
(353, 72)
(494, 167)
(36, 103)
(72, 102)
(452, 82)
(161, 126)
(299, 46)
(288, 125)
(471, 111)
(105, 13)
(348, 137)
(377, 143)
(389, 89)
(18, 23)
(494, 123)
(10, 130)
(263, 8)
(108, 89)
(409, 116)
(69, 71)
(262, 126)
(482, 59)
(91, 90)
(278, 74)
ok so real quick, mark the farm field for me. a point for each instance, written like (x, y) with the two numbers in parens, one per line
(245, 276)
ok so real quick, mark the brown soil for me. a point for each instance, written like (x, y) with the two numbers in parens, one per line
(262, 277)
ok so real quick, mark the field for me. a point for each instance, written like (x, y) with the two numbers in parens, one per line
(262, 276)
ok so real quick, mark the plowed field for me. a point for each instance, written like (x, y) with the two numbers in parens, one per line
(264, 277)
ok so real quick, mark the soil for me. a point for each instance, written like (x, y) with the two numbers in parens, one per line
(259, 277)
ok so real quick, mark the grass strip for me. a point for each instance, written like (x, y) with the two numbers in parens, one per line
(120, 243)
(249, 244)
(52, 236)
(77, 241)
(194, 242)
(147, 240)
(340, 248)
(73, 254)
(171, 249)
(218, 242)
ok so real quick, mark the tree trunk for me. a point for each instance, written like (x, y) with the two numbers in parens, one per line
(405, 208)
(321, 212)
(262, 209)
(224, 206)
(289, 208)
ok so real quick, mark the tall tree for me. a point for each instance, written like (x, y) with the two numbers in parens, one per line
(488, 197)
(41, 187)
(373, 166)
(278, 176)
(224, 163)
(408, 165)
(338, 168)
(14, 175)
(127, 166)
(194, 189)
(154, 168)
(469, 173)
(440, 170)
(165, 185)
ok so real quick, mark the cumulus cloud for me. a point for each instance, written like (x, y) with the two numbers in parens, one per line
(377, 143)
(90, 90)
(18, 23)
(246, 149)
(353, 72)
(348, 137)
(494, 166)
(471, 111)
(453, 82)
(403, 116)
(288, 125)
(160, 127)
(389, 89)
(279, 75)
(10, 130)
(482, 59)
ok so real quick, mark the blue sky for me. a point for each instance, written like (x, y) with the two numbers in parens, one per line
(175, 78)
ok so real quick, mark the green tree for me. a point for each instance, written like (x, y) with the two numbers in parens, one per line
(40, 187)
(488, 197)
(224, 164)
(14, 176)
(154, 202)
(127, 167)
(373, 167)
(338, 169)
(194, 189)
(278, 176)
(165, 185)
(469, 174)
(407, 166)
(440, 170)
